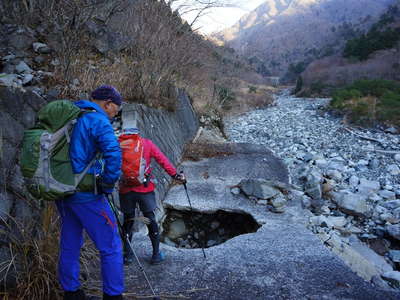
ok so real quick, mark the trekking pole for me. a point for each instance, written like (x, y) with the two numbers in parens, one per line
(125, 237)
(191, 210)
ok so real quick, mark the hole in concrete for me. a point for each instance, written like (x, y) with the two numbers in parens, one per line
(185, 229)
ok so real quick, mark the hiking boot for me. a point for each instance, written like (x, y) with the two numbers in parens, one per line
(108, 297)
(77, 295)
(158, 258)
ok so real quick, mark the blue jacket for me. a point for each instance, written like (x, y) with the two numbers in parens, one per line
(93, 134)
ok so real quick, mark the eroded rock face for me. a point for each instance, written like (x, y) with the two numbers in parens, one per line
(12, 124)
(105, 40)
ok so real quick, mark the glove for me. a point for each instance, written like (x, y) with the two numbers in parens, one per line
(104, 188)
(179, 177)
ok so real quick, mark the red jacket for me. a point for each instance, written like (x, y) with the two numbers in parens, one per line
(150, 151)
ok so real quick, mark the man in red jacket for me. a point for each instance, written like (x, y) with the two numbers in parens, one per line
(144, 195)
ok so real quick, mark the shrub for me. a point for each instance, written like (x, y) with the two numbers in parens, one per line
(390, 107)
(376, 87)
(369, 101)
(339, 98)
(164, 52)
(225, 96)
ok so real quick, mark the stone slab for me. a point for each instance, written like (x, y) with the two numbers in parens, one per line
(282, 260)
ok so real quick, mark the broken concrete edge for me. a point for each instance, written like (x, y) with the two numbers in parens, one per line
(208, 211)
(189, 229)
(355, 260)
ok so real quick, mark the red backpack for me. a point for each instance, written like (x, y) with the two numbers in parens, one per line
(133, 162)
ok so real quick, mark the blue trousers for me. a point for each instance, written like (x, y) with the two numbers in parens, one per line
(98, 220)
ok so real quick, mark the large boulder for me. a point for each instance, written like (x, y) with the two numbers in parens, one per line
(367, 187)
(394, 231)
(21, 39)
(105, 40)
(329, 221)
(312, 186)
(351, 203)
(259, 188)
(22, 67)
(177, 229)
(10, 80)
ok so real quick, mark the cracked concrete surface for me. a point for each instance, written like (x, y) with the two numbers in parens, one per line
(282, 260)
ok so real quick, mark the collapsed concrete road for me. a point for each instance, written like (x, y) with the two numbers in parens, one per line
(281, 260)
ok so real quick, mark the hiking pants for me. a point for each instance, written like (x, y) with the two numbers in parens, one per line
(98, 220)
(147, 204)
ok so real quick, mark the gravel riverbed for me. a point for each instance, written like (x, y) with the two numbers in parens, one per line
(350, 176)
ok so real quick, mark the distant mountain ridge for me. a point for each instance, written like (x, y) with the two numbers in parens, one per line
(280, 33)
(373, 55)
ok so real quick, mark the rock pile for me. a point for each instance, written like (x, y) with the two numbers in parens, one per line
(350, 177)
(27, 62)
(273, 194)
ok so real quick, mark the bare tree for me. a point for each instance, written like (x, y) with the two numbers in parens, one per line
(165, 49)
(199, 8)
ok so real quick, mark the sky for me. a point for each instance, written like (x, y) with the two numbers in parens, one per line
(220, 18)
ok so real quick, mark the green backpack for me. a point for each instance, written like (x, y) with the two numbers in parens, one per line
(45, 161)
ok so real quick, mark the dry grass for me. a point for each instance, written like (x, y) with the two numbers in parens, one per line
(34, 248)
(92, 70)
(196, 152)
(96, 71)
(247, 99)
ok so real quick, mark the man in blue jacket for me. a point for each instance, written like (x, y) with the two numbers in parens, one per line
(93, 136)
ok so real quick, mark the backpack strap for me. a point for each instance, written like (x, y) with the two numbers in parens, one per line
(48, 143)
(79, 177)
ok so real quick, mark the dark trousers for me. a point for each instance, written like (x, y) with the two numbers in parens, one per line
(147, 204)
